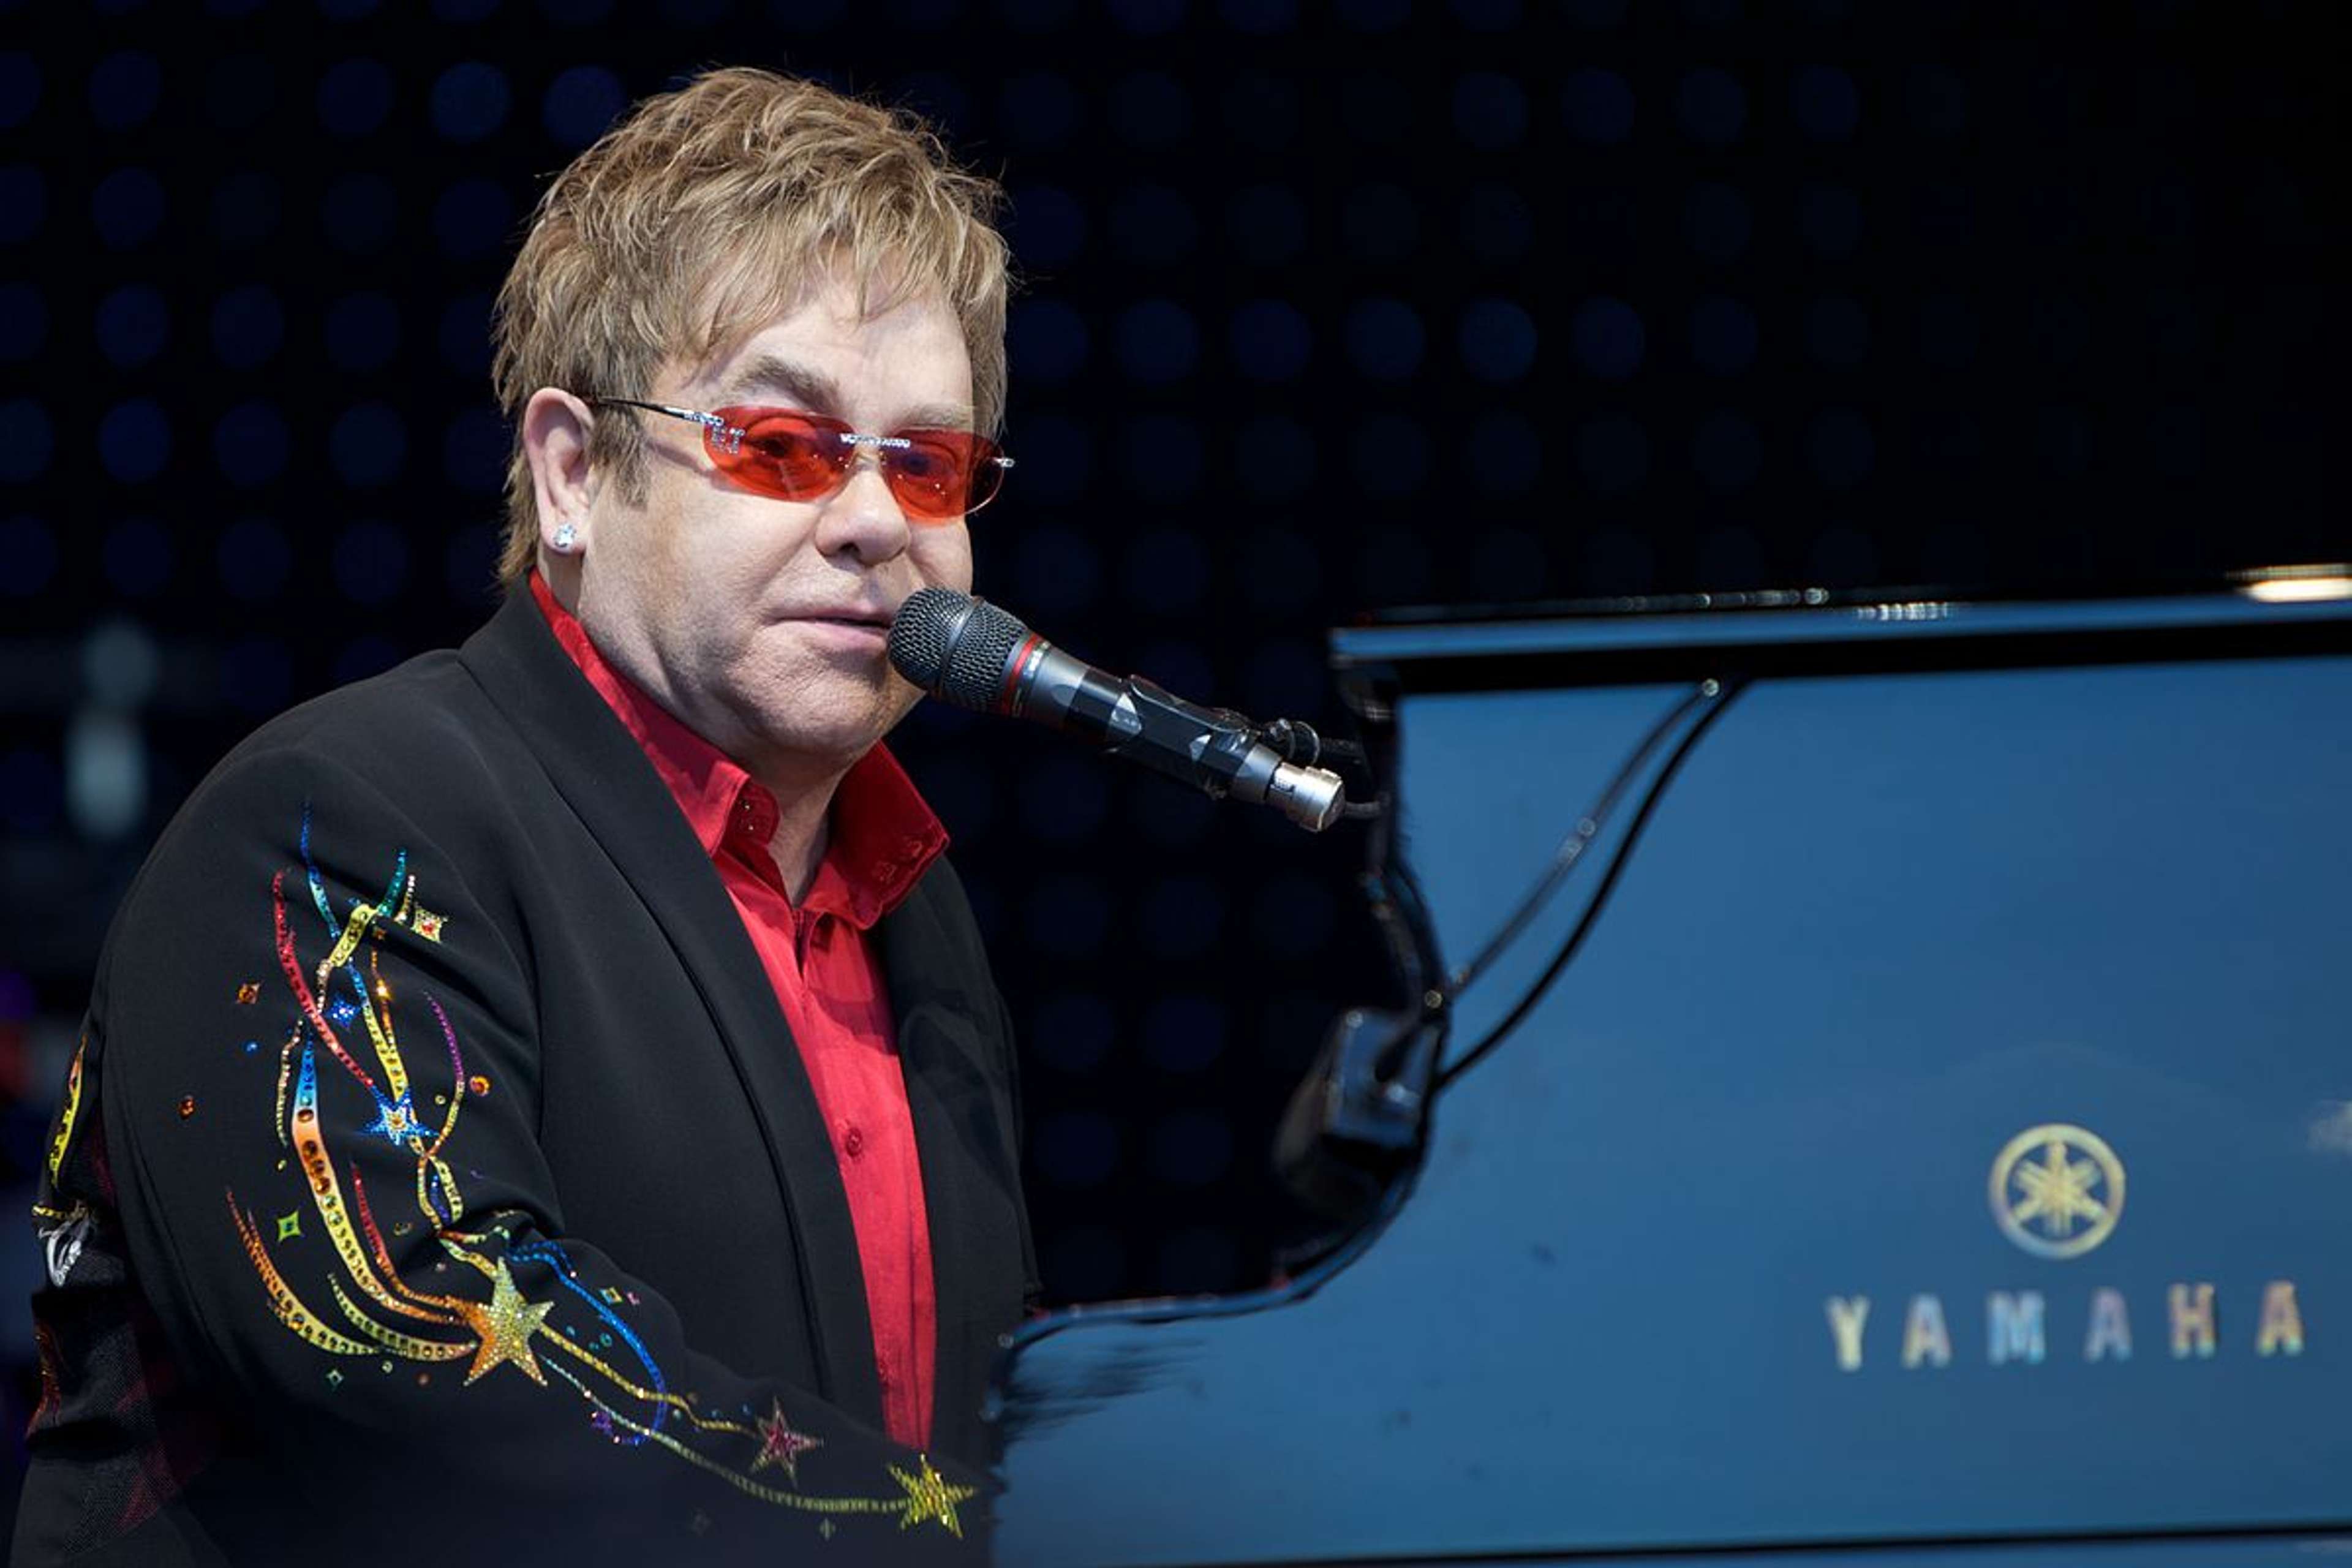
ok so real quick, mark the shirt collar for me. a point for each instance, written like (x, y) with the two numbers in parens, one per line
(882, 835)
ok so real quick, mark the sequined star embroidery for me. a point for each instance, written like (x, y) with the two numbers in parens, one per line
(342, 1010)
(427, 924)
(780, 1445)
(930, 1496)
(62, 1243)
(505, 1327)
(395, 1119)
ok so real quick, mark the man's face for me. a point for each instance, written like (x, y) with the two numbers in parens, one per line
(762, 624)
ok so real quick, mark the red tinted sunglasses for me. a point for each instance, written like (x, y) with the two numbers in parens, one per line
(789, 454)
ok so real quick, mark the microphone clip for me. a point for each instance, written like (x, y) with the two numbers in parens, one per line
(1229, 754)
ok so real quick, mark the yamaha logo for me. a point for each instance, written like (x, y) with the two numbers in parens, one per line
(2057, 1191)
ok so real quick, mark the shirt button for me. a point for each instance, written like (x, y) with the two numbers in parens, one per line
(853, 1142)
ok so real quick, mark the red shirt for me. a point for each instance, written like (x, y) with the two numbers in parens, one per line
(818, 961)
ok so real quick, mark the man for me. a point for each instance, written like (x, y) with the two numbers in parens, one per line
(550, 1099)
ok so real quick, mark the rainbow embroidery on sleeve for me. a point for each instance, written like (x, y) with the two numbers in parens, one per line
(573, 1335)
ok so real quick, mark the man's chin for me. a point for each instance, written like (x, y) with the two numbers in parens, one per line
(802, 741)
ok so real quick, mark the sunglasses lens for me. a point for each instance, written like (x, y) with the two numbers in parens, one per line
(987, 476)
(789, 456)
(935, 474)
(930, 474)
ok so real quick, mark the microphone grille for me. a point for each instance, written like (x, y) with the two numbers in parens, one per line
(977, 656)
(921, 630)
(955, 647)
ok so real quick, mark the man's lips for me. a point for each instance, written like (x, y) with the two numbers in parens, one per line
(878, 620)
(863, 631)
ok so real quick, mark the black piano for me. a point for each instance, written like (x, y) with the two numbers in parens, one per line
(1871, 1083)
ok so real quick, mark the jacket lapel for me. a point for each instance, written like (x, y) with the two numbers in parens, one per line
(959, 1096)
(596, 765)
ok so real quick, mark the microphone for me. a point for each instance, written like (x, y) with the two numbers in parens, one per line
(970, 653)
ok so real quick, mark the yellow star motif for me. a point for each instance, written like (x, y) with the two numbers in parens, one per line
(930, 1496)
(505, 1327)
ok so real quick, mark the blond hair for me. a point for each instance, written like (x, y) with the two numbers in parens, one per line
(702, 215)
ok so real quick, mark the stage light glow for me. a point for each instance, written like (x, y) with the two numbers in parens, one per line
(1157, 342)
(134, 323)
(127, 208)
(368, 444)
(30, 548)
(1506, 454)
(1385, 339)
(134, 440)
(354, 96)
(253, 559)
(124, 88)
(250, 444)
(2297, 585)
(24, 203)
(248, 325)
(1046, 340)
(1162, 457)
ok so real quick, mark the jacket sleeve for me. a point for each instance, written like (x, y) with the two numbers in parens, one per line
(314, 1052)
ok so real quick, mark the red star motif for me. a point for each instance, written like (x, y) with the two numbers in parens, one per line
(780, 1445)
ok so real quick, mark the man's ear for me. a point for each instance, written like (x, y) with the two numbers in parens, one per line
(555, 426)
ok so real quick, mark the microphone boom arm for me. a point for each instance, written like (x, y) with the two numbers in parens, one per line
(975, 656)
(1215, 749)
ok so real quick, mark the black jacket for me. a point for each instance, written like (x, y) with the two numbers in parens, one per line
(438, 1177)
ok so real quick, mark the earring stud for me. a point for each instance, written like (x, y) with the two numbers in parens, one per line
(566, 536)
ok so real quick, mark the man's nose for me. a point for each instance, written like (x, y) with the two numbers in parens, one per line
(865, 517)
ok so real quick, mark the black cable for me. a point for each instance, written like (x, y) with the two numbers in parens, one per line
(1571, 849)
(1729, 689)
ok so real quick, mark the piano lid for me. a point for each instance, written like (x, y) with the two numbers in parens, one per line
(1938, 1134)
(1811, 630)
